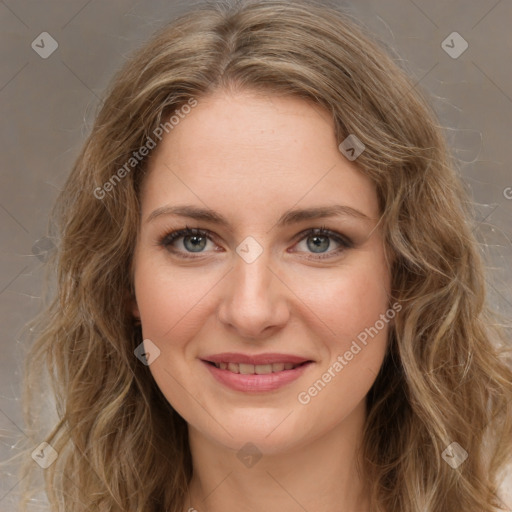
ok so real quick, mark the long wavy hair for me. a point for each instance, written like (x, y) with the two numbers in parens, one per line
(446, 376)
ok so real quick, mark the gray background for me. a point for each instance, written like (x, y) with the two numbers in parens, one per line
(47, 106)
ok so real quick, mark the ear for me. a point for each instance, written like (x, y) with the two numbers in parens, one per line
(131, 305)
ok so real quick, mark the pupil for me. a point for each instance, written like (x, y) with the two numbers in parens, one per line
(321, 242)
(198, 242)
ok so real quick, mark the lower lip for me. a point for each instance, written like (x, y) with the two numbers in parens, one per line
(256, 383)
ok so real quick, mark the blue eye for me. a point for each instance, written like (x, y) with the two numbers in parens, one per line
(194, 240)
(319, 240)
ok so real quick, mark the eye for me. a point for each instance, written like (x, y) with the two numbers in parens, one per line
(318, 240)
(195, 240)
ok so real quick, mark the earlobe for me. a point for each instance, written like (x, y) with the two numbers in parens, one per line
(131, 306)
(135, 310)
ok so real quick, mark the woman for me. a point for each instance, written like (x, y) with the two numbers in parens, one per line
(269, 294)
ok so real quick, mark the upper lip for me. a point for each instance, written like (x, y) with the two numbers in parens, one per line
(233, 357)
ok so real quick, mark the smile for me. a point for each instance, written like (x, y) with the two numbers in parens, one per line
(255, 378)
(255, 369)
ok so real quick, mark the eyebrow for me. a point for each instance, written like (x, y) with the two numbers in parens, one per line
(290, 217)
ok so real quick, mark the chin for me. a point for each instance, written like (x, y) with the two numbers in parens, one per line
(270, 435)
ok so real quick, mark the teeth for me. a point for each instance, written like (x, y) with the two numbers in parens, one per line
(262, 369)
(233, 367)
(246, 369)
(255, 369)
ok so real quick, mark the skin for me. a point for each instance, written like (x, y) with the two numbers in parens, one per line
(252, 157)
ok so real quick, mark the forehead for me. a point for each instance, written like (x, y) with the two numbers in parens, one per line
(254, 153)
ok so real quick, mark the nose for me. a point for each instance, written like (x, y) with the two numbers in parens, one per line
(255, 301)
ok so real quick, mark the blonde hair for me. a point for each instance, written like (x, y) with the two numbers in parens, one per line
(120, 444)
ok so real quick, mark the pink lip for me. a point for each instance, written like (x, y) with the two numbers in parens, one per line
(269, 358)
(256, 383)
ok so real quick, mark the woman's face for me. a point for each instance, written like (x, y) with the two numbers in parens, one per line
(253, 172)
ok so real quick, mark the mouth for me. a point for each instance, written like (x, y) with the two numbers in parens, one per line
(256, 373)
(255, 369)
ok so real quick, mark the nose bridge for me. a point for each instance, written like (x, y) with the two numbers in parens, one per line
(252, 279)
(255, 298)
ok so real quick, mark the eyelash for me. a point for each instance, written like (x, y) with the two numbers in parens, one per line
(167, 239)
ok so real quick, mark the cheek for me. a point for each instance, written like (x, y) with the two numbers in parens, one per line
(351, 307)
(349, 301)
(169, 300)
(170, 304)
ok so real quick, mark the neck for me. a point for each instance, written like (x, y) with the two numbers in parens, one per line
(322, 474)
